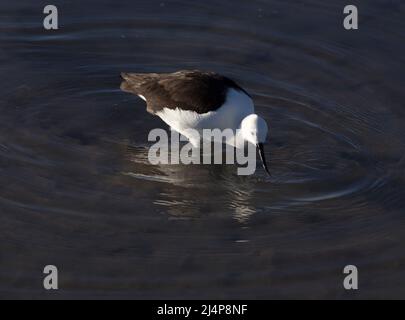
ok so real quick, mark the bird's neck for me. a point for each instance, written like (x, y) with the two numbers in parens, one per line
(238, 141)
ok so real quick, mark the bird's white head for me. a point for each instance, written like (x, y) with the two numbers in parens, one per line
(254, 130)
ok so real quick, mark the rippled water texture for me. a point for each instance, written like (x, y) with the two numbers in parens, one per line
(77, 190)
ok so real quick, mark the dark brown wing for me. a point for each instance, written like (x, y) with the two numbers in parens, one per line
(189, 90)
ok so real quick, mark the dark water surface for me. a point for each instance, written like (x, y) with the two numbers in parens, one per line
(77, 190)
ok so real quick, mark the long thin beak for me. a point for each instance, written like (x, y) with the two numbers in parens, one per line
(263, 158)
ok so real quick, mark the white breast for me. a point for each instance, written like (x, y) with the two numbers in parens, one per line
(237, 106)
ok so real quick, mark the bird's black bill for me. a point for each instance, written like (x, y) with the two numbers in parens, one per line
(262, 157)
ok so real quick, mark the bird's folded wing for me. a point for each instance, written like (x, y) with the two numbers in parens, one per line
(197, 91)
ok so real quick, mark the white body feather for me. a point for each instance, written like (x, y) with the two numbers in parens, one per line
(237, 106)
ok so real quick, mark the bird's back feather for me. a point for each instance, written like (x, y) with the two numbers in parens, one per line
(194, 90)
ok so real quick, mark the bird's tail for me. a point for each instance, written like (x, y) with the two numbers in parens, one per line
(133, 82)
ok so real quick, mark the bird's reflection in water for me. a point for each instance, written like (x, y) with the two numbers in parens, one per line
(240, 202)
(182, 190)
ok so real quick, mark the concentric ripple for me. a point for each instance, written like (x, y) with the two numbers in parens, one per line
(77, 189)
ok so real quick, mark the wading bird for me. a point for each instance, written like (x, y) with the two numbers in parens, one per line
(192, 99)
